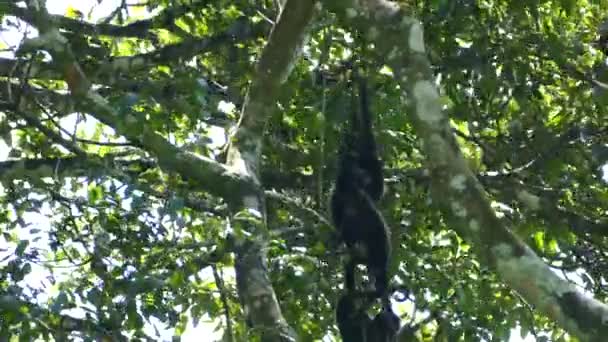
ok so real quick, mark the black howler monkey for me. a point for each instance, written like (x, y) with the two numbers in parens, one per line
(360, 144)
(359, 185)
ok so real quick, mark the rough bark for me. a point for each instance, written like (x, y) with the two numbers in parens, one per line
(278, 57)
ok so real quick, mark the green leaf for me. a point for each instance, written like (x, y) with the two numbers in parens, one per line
(21, 246)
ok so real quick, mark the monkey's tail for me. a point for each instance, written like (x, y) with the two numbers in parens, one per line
(362, 115)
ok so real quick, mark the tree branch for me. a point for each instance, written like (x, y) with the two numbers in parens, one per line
(201, 171)
(279, 55)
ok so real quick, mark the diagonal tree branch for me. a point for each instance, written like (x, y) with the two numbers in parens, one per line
(77, 166)
(64, 105)
(201, 171)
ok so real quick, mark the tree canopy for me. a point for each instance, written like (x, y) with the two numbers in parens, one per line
(171, 162)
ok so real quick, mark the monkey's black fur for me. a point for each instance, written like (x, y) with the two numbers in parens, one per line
(353, 321)
(355, 325)
(385, 326)
(368, 240)
(360, 145)
(359, 185)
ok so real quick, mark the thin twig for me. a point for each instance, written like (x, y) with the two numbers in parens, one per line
(219, 281)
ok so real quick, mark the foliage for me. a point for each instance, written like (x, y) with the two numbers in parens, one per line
(124, 242)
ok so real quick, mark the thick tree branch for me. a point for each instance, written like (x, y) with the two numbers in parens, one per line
(244, 153)
(69, 167)
(89, 166)
(462, 199)
(66, 167)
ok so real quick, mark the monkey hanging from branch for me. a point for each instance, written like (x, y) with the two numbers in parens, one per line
(359, 186)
